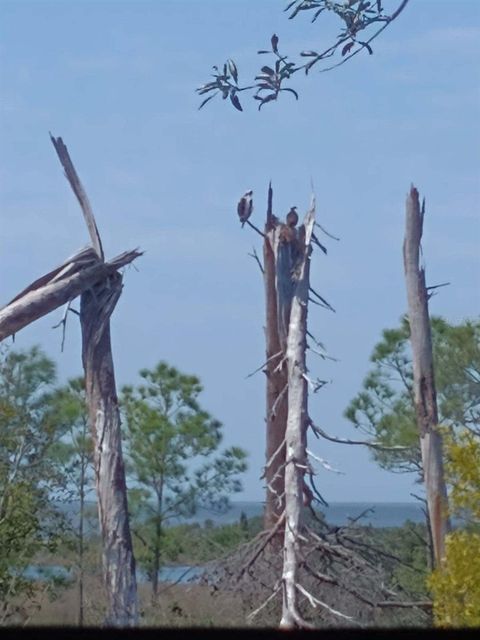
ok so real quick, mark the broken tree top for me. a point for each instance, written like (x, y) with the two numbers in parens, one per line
(80, 272)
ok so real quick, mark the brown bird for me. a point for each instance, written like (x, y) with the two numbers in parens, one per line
(292, 217)
(245, 207)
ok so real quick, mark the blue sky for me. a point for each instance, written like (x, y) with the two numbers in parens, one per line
(116, 80)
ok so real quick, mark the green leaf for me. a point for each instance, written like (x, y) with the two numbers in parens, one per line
(269, 98)
(274, 41)
(233, 70)
(206, 100)
(291, 91)
(235, 101)
(268, 70)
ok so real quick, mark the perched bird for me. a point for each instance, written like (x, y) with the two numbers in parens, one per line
(292, 217)
(245, 207)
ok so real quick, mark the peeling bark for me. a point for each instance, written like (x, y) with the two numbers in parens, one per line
(96, 308)
(423, 376)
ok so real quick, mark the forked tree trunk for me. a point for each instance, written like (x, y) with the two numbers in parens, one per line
(423, 377)
(96, 308)
(297, 422)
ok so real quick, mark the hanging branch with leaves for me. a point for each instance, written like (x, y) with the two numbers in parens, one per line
(357, 17)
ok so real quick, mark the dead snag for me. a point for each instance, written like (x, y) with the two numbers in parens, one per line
(96, 308)
(276, 373)
(423, 376)
(297, 422)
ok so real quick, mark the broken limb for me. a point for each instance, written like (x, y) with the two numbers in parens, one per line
(374, 445)
(275, 355)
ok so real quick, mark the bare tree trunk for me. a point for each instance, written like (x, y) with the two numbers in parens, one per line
(423, 376)
(277, 397)
(96, 308)
(297, 423)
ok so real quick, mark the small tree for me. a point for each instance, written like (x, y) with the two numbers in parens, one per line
(76, 452)
(30, 472)
(172, 451)
(384, 408)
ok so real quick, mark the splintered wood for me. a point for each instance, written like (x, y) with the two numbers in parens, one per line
(99, 284)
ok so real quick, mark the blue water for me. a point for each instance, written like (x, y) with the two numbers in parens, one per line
(167, 574)
(380, 514)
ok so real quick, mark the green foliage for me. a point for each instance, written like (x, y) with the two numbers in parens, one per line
(384, 409)
(196, 544)
(456, 586)
(30, 472)
(463, 473)
(409, 544)
(359, 23)
(171, 446)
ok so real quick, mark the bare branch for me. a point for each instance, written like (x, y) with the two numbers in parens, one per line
(279, 397)
(315, 601)
(317, 224)
(366, 443)
(250, 224)
(63, 323)
(326, 304)
(254, 255)
(324, 463)
(80, 193)
(275, 355)
(264, 604)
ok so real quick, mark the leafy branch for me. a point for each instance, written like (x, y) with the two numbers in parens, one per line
(356, 16)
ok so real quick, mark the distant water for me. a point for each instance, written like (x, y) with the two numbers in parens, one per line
(382, 514)
(379, 514)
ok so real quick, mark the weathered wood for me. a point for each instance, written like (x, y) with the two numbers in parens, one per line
(61, 285)
(96, 308)
(80, 193)
(276, 373)
(423, 376)
(297, 422)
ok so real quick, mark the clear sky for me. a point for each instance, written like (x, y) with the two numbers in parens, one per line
(116, 80)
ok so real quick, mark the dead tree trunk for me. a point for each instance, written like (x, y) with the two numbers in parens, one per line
(297, 423)
(96, 308)
(423, 376)
(277, 381)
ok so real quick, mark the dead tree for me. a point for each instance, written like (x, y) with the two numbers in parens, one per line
(299, 571)
(277, 380)
(99, 284)
(286, 270)
(297, 423)
(423, 376)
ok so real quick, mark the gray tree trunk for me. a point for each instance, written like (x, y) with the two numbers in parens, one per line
(297, 422)
(96, 308)
(423, 376)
